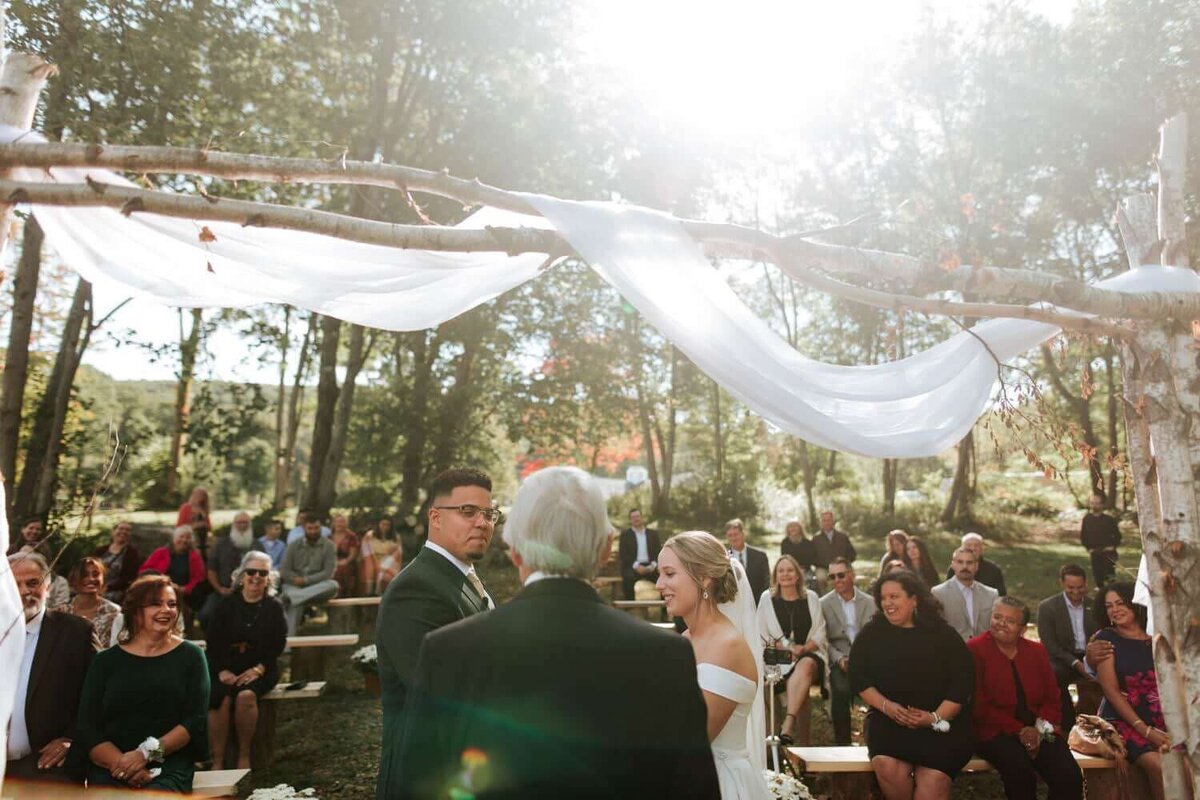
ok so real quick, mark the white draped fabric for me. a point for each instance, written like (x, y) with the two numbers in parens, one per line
(917, 406)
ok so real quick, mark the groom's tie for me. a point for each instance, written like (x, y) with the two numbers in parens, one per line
(478, 586)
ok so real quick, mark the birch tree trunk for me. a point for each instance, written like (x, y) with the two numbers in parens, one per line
(1162, 422)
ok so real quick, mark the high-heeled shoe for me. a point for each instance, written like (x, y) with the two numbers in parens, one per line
(785, 739)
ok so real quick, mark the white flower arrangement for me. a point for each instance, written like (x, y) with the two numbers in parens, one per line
(366, 657)
(785, 787)
(1045, 729)
(283, 792)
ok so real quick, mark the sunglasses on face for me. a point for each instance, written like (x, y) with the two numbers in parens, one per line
(258, 573)
(837, 576)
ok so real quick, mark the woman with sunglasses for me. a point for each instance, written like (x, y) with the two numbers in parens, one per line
(246, 636)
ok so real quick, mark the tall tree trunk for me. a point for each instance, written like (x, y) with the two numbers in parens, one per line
(1114, 442)
(425, 355)
(327, 397)
(327, 489)
(667, 448)
(718, 446)
(1081, 407)
(809, 477)
(891, 467)
(1162, 423)
(39, 478)
(16, 360)
(958, 504)
(295, 398)
(281, 471)
(189, 346)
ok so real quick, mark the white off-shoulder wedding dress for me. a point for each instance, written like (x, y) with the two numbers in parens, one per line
(739, 778)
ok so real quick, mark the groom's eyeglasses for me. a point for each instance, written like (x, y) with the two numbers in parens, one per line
(470, 512)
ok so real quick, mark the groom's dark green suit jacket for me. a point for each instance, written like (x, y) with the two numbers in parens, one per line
(429, 592)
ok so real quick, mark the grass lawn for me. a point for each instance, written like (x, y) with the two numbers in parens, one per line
(332, 743)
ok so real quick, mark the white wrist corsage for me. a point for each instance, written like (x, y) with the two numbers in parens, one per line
(940, 725)
(151, 748)
(1045, 729)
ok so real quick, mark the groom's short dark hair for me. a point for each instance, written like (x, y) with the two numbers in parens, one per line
(449, 480)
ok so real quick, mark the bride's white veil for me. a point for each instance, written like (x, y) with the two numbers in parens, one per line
(743, 613)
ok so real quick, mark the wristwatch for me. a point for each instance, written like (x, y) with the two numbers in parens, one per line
(152, 749)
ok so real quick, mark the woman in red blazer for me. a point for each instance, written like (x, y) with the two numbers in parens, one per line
(1017, 715)
(180, 562)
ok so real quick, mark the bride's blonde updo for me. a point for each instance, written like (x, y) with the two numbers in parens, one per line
(703, 557)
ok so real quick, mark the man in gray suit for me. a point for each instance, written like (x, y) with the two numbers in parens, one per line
(1065, 625)
(846, 610)
(966, 603)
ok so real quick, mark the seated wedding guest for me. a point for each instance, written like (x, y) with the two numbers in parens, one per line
(755, 562)
(847, 609)
(224, 556)
(569, 719)
(298, 532)
(897, 541)
(920, 562)
(1016, 709)
(829, 543)
(87, 581)
(182, 563)
(246, 636)
(307, 574)
(58, 650)
(382, 557)
(145, 701)
(33, 539)
(789, 617)
(1129, 682)
(637, 550)
(121, 561)
(987, 573)
(271, 542)
(1065, 623)
(966, 603)
(797, 545)
(196, 513)
(346, 546)
(916, 674)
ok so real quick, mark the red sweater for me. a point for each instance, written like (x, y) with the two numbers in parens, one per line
(996, 692)
(160, 560)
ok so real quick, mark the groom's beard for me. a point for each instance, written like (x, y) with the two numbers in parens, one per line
(242, 541)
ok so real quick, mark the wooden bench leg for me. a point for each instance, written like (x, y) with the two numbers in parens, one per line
(262, 752)
(342, 619)
(853, 786)
(308, 663)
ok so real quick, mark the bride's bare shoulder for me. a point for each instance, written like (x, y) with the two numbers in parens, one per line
(728, 649)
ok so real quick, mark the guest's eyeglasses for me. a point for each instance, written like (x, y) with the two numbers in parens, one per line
(837, 576)
(469, 511)
(259, 573)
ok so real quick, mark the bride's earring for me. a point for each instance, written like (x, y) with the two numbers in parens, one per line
(705, 595)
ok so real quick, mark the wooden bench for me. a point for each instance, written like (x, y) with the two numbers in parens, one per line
(851, 777)
(218, 782)
(310, 653)
(607, 583)
(350, 614)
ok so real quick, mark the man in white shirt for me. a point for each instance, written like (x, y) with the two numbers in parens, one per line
(1065, 624)
(638, 553)
(846, 610)
(966, 603)
(58, 651)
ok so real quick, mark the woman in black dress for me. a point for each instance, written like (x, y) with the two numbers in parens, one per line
(916, 674)
(246, 636)
(790, 616)
(798, 546)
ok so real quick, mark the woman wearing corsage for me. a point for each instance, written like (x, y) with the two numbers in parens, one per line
(1017, 712)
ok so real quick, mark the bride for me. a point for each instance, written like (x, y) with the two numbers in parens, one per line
(701, 584)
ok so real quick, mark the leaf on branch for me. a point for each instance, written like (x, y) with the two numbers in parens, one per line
(131, 206)
(1086, 452)
(206, 236)
(208, 265)
(1086, 387)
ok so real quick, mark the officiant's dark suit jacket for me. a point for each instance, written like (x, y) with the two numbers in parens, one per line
(427, 594)
(758, 570)
(556, 695)
(60, 663)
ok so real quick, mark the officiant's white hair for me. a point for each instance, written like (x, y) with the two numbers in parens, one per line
(558, 522)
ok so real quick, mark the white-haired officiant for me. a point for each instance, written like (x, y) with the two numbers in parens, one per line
(555, 694)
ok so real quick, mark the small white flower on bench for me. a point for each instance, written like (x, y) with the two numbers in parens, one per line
(283, 792)
(366, 657)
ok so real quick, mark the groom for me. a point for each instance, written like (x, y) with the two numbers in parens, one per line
(538, 698)
(438, 587)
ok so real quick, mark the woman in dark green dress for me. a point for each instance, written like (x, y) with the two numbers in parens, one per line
(144, 710)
